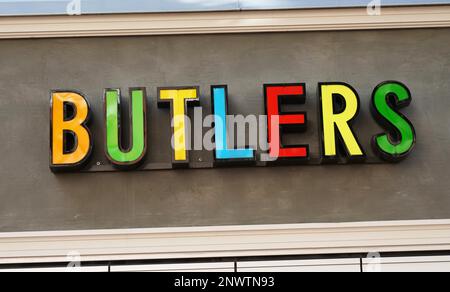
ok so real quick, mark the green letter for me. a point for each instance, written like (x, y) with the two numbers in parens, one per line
(114, 151)
(387, 99)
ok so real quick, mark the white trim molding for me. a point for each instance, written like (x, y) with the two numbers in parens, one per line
(223, 22)
(227, 241)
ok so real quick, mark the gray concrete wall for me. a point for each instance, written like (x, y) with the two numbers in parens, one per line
(32, 198)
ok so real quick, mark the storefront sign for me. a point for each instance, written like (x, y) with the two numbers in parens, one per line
(72, 143)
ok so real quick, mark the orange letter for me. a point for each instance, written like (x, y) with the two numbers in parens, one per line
(70, 138)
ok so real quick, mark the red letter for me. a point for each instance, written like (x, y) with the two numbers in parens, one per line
(279, 122)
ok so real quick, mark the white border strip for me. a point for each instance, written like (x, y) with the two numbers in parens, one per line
(223, 22)
(229, 241)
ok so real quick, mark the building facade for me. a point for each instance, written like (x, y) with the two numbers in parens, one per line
(332, 197)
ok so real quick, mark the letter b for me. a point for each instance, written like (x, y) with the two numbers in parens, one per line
(70, 139)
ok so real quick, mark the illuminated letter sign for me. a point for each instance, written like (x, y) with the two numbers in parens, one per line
(70, 138)
(388, 98)
(280, 122)
(178, 99)
(138, 134)
(339, 107)
(71, 142)
(220, 111)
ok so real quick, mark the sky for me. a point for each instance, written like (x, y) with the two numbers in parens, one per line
(37, 7)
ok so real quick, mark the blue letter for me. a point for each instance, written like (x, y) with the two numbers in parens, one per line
(219, 100)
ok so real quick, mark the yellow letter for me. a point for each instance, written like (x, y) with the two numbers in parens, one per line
(335, 119)
(62, 125)
(178, 99)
